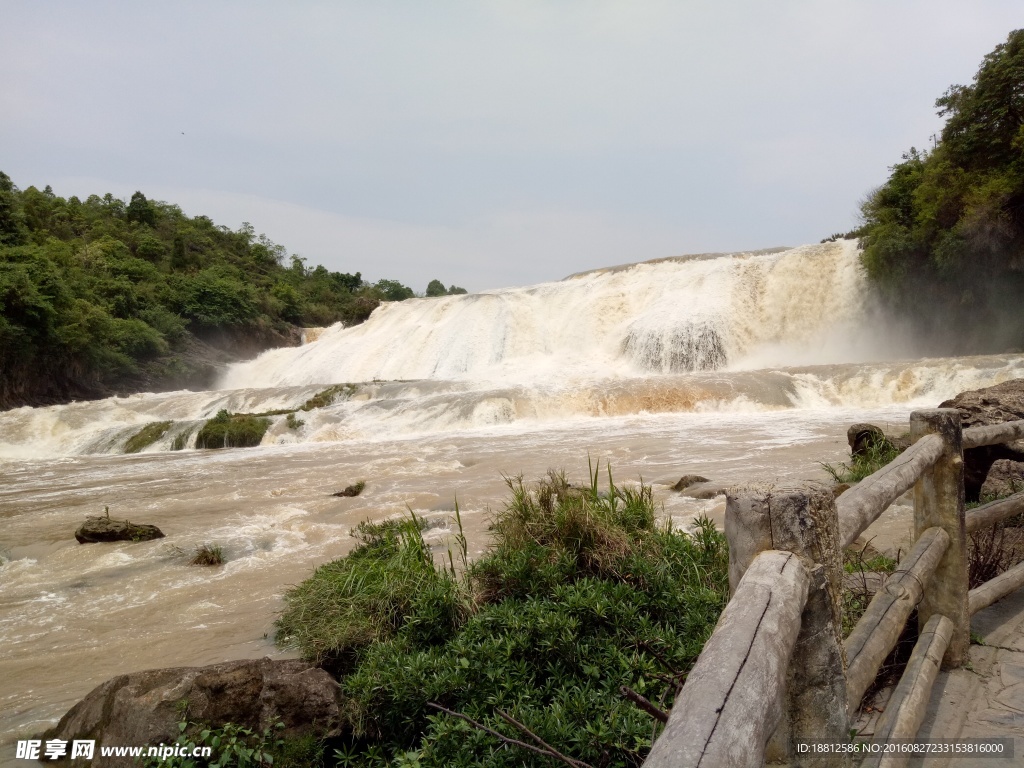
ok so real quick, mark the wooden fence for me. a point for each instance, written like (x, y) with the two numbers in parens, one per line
(777, 671)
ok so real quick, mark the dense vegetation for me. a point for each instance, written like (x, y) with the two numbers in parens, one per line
(99, 295)
(580, 595)
(944, 236)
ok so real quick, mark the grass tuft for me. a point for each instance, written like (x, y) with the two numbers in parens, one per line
(208, 554)
(328, 396)
(876, 455)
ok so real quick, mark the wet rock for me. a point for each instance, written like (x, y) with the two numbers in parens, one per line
(101, 529)
(144, 708)
(704, 491)
(1004, 478)
(351, 490)
(687, 480)
(861, 436)
(990, 405)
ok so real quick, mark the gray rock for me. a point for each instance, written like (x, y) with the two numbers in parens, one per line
(979, 407)
(704, 491)
(687, 480)
(103, 529)
(144, 708)
(1005, 477)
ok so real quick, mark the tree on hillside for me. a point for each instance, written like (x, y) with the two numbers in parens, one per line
(945, 234)
(436, 288)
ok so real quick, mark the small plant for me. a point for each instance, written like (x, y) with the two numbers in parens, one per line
(292, 422)
(226, 746)
(146, 436)
(877, 453)
(327, 397)
(208, 554)
(180, 442)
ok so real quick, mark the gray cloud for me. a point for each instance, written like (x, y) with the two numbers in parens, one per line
(486, 143)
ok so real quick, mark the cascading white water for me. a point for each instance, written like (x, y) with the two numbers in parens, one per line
(740, 332)
(670, 316)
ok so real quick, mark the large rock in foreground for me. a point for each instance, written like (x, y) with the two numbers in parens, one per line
(104, 529)
(144, 708)
(979, 407)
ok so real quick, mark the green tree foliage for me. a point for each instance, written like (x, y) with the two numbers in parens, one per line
(436, 288)
(944, 236)
(99, 295)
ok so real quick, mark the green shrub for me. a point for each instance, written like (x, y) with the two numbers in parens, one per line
(146, 436)
(876, 455)
(579, 594)
(369, 595)
(292, 422)
(226, 430)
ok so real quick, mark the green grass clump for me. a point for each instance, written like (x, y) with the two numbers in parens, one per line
(328, 396)
(579, 594)
(876, 455)
(292, 422)
(369, 596)
(146, 436)
(208, 554)
(226, 430)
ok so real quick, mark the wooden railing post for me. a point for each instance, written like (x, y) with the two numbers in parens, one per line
(801, 520)
(939, 501)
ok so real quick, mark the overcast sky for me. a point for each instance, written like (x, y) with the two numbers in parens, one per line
(486, 143)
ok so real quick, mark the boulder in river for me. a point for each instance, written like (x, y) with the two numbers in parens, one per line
(979, 407)
(862, 437)
(102, 529)
(144, 708)
(687, 480)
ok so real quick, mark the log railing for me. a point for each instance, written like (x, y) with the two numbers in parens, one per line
(776, 673)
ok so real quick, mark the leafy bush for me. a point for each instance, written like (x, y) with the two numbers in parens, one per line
(581, 593)
(226, 430)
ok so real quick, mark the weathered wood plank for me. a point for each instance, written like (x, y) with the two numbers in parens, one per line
(994, 512)
(861, 505)
(996, 589)
(728, 707)
(800, 519)
(939, 501)
(883, 621)
(993, 434)
(906, 708)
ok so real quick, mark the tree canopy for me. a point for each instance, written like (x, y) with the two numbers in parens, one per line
(98, 294)
(944, 236)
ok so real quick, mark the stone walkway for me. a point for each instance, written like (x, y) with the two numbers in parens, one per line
(986, 698)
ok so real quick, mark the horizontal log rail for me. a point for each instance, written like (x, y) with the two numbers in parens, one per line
(728, 707)
(995, 589)
(994, 512)
(882, 623)
(776, 668)
(906, 707)
(993, 434)
(860, 506)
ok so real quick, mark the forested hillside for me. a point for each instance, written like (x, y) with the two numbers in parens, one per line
(100, 296)
(944, 236)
